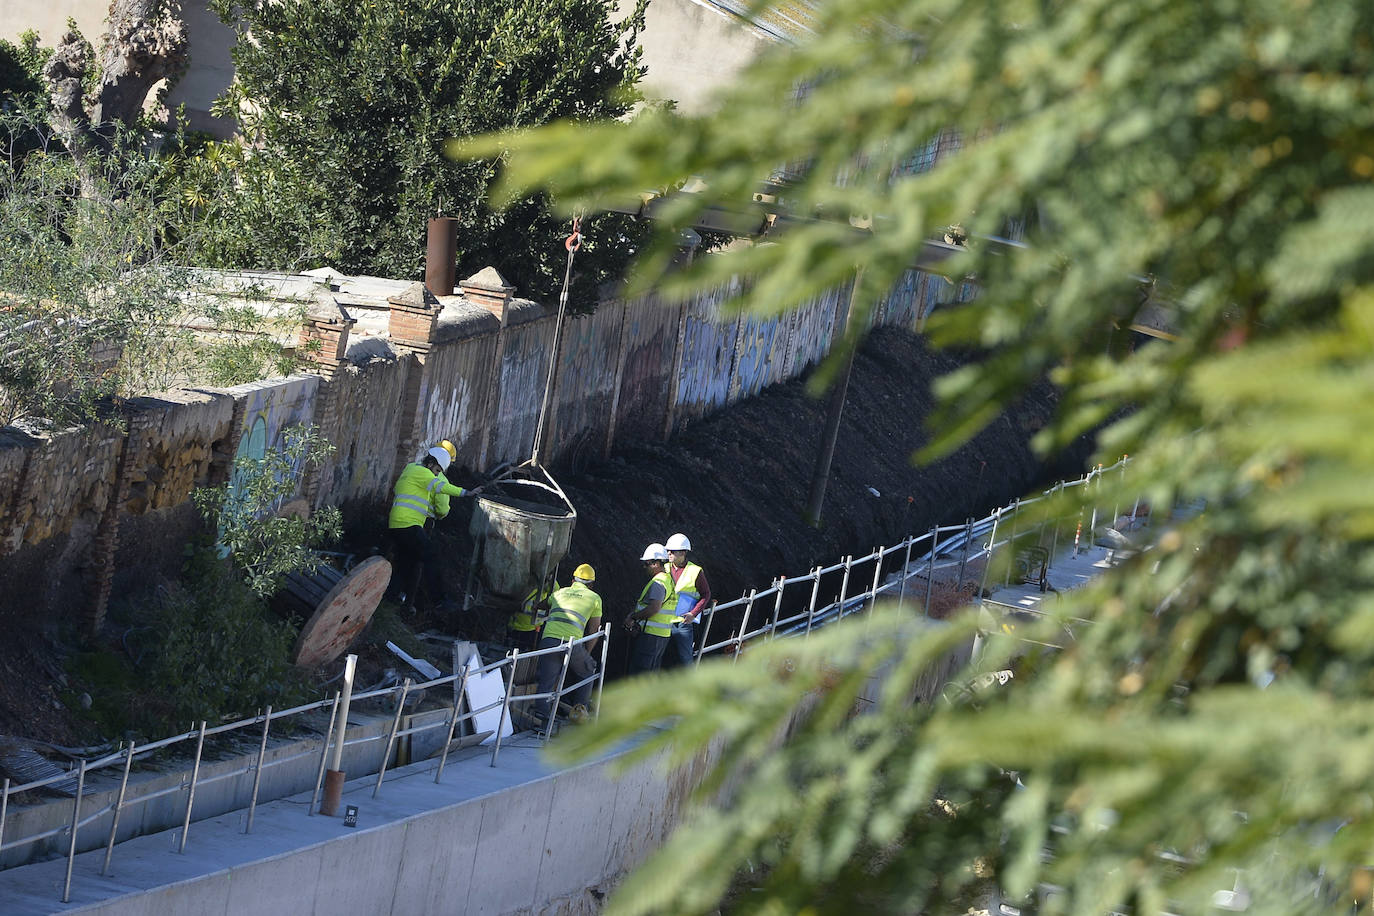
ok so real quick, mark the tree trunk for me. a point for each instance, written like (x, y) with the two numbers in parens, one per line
(144, 43)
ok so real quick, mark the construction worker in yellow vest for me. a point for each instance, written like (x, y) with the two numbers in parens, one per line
(574, 612)
(655, 610)
(693, 596)
(421, 493)
(524, 624)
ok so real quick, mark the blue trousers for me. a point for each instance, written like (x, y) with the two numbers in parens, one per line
(647, 654)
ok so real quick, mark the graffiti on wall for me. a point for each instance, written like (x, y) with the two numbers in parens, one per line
(756, 341)
(270, 407)
(707, 348)
(813, 326)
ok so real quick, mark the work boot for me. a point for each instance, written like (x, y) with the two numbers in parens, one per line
(579, 715)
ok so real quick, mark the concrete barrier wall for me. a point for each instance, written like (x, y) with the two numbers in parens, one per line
(633, 372)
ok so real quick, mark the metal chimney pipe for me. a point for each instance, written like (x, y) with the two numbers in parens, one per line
(441, 255)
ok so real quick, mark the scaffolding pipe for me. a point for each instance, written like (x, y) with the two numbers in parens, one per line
(257, 770)
(324, 756)
(601, 675)
(705, 634)
(815, 594)
(906, 573)
(514, 659)
(738, 639)
(76, 824)
(1011, 541)
(558, 691)
(779, 583)
(930, 566)
(992, 546)
(191, 794)
(391, 737)
(452, 726)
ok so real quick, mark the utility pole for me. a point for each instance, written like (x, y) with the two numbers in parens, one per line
(834, 410)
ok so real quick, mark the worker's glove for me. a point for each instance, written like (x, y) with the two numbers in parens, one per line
(475, 491)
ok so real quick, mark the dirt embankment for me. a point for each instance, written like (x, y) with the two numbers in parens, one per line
(735, 483)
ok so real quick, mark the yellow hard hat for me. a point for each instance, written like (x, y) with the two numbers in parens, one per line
(585, 573)
(450, 448)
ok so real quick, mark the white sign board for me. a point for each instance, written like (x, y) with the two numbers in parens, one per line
(485, 690)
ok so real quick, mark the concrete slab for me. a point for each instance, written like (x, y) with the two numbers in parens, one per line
(437, 861)
(514, 825)
(579, 831)
(284, 883)
(358, 873)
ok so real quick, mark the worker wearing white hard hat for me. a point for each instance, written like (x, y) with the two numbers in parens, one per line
(654, 612)
(421, 493)
(574, 612)
(693, 596)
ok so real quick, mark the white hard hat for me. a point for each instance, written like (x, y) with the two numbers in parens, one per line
(655, 552)
(679, 542)
(441, 456)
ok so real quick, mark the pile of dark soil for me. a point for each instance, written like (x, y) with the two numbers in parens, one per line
(735, 483)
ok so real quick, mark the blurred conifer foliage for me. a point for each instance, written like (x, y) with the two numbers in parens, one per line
(1214, 721)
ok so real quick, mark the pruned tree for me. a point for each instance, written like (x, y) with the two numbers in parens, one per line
(144, 43)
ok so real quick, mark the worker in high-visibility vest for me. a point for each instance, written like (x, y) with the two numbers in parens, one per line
(693, 595)
(654, 611)
(421, 493)
(574, 612)
(523, 625)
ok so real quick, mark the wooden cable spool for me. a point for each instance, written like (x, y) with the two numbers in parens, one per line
(339, 606)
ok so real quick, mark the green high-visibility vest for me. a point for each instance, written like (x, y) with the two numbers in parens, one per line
(661, 623)
(570, 609)
(420, 495)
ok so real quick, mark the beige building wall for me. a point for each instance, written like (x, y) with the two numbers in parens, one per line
(210, 69)
(693, 49)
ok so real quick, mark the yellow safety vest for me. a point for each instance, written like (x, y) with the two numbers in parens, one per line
(571, 609)
(528, 618)
(420, 495)
(661, 623)
(687, 593)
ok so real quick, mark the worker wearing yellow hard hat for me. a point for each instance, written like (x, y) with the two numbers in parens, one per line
(574, 612)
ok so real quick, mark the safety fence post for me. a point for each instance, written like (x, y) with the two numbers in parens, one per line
(992, 547)
(453, 722)
(705, 635)
(781, 583)
(601, 675)
(558, 691)
(1011, 541)
(1055, 492)
(744, 626)
(118, 809)
(514, 659)
(257, 771)
(391, 737)
(1096, 486)
(815, 593)
(906, 562)
(1116, 504)
(963, 556)
(844, 586)
(4, 808)
(877, 578)
(324, 755)
(76, 825)
(191, 795)
(930, 567)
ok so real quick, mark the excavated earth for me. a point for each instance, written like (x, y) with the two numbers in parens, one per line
(736, 483)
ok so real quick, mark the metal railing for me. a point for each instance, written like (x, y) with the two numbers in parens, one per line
(957, 548)
(949, 547)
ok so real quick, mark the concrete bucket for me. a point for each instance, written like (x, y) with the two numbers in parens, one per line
(522, 528)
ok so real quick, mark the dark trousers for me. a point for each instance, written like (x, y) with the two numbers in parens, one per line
(647, 654)
(580, 666)
(416, 545)
(680, 641)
